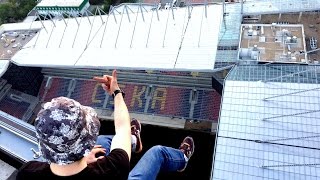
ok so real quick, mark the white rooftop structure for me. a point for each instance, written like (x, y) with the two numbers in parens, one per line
(172, 39)
(4, 64)
(269, 124)
(62, 6)
(279, 6)
(60, 3)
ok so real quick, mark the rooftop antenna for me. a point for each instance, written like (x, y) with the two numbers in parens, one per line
(86, 13)
(135, 23)
(141, 9)
(156, 7)
(66, 23)
(172, 10)
(49, 37)
(105, 27)
(75, 37)
(126, 7)
(165, 31)
(189, 10)
(91, 26)
(184, 21)
(61, 15)
(157, 13)
(34, 19)
(75, 18)
(101, 11)
(51, 19)
(223, 7)
(115, 44)
(38, 15)
(206, 8)
(112, 9)
(203, 14)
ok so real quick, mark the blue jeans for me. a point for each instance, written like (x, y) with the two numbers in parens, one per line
(156, 159)
(105, 142)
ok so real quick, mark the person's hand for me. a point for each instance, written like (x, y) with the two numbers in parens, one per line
(91, 157)
(109, 83)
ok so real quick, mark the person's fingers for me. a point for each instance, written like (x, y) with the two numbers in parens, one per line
(98, 150)
(97, 146)
(109, 78)
(100, 79)
(105, 87)
(114, 74)
(103, 78)
(100, 157)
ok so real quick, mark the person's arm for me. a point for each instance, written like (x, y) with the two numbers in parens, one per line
(122, 125)
(122, 138)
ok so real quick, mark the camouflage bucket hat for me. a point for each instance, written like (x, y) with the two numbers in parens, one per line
(66, 130)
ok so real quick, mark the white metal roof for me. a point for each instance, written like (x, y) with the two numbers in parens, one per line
(134, 40)
(280, 6)
(4, 64)
(268, 130)
(238, 159)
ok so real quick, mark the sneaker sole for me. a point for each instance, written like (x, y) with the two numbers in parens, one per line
(139, 140)
(190, 156)
(192, 146)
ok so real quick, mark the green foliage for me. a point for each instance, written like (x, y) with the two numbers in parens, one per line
(128, 1)
(15, 10)
(108, 3)
(96, 2)
(6, 14)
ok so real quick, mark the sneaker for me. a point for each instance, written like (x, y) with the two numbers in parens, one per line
(136, 130)
(187, 147)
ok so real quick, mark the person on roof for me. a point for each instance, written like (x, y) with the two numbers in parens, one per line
(69, 142)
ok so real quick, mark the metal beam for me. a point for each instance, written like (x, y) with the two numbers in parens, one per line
(134, 28)
(115, 44)
(288, 115)
(287, 75)
(297, 92)
(149, 29)
(165, 31)
(104, 31)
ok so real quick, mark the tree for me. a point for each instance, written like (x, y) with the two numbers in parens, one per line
(96, 2)
(108, 3)
(6, 13)
(15, 10)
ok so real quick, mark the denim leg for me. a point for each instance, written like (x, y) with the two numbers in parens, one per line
(105, 142)
(158, 158)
